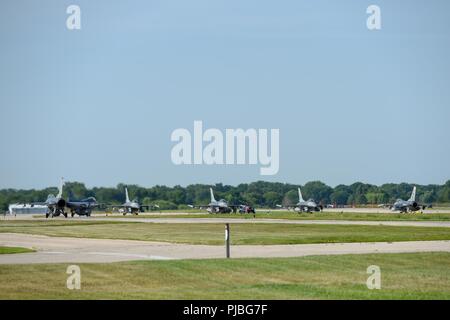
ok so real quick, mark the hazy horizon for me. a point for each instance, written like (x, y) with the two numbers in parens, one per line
(213, 184)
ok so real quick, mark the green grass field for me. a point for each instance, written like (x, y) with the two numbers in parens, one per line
(403, 276)
(11, 250)
(351, 216)
(213, 234)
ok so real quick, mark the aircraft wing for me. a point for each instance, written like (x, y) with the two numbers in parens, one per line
(112, 207)
(32, 204)
(149, 207)
(288, 207)
(201, 206)
(84, 205)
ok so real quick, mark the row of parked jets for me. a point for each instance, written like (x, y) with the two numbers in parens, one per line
(403, 206)
(57, 205)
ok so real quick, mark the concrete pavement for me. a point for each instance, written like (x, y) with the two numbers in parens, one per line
(81, 250)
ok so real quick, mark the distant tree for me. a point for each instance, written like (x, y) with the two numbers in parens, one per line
(76, 190)
(251, 198)
(360, 199)
(3, 203)
(147, 201)
(351, 200)
(318, 191)
(177, 195)
(290, 198)
(339, 197)
(428, 197)
(202, 196)
(376, 197)
(272, 198)
(444, 195)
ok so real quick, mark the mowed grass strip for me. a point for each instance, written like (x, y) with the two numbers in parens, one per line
(213, 234)
(350, 216)
(403, 276)
(11, 250)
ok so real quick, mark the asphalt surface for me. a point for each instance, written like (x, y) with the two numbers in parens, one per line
(81, 250)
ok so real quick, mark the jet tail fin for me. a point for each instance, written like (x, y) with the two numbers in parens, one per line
(300, 197)
(212, 195)
(127, 198)
(60, 189)
(413, 195)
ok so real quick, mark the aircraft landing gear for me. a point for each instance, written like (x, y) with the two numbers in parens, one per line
(52, 213)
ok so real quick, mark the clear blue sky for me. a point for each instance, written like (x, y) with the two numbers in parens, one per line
(98, 105)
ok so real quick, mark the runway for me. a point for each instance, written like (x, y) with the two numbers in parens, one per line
(81, 250)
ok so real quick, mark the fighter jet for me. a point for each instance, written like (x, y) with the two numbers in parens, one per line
(304, 206)
(132, 207)
(409, 205)
(82, 207)
(222, 206)
(56, 205)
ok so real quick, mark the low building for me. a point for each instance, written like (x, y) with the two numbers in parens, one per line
(19, 208)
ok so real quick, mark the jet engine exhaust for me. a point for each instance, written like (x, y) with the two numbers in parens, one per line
(61, 203)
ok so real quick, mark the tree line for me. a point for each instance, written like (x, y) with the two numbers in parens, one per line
(258, 194)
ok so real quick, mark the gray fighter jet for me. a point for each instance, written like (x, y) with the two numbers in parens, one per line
(56, 205)
(304, 206)
(82, 207)
(222, 206)
(132, 207)
(409, 205)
